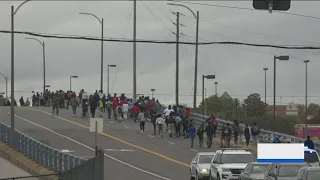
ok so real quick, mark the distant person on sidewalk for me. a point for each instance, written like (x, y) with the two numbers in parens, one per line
(200, 132)
(56, 103)
(255, 131)
(241, 126)
(160, 123)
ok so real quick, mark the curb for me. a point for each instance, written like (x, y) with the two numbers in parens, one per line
(24, 163)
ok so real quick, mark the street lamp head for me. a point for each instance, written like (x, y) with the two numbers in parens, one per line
(210, 76)
(283, 58)
(265, 69)
(306, 61)
(74, 76)
(152, 89)
(215, 82)
(47, 86)
(112, 65)
(2, 93)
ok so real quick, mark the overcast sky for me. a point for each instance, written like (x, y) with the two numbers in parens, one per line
(238, 69)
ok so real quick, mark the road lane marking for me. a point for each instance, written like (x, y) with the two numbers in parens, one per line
(121, 150)
(170, 142)
(111, 121)
(194, 150)
(88, 147)
(66, 151)
(118, 139)
(151, 136)
(126, 127)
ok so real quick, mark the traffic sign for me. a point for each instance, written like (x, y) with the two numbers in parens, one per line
(278, 5)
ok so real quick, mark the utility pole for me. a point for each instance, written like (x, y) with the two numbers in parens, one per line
(101, 74)
(12, 68)
(177, 60)
(196, 64)
(134, 49)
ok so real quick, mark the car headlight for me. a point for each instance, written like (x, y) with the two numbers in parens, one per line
(225, 170)
(204, 170)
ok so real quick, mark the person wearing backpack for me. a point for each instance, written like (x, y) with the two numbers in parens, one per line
(255, 131)
(210, 133)
(200, 132)
(214, 123)
(228, 132)
(236, 131)
(246, 133)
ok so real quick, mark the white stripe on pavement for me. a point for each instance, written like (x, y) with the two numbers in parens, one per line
(92, 149)
(194, 150)
(170, 142)
(151, 136)
(121, 150)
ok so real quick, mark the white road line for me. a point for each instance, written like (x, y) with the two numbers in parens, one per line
(111, 121)
(170, 142)
(126, 127)
(194, 150)
(88, 147)
(151, 136)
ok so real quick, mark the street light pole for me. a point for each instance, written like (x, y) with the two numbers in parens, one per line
(43, 59)
(216, 88)
(205, 77)
(280, 58)
(70, 81)
(13, 12)
(101, 63)
(265, 90)
(196, 16)
(134, 49)
(152, 90)
(306, 108)
(177, 61)
(109, 77)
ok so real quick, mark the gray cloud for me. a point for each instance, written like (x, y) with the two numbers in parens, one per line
(238, 68)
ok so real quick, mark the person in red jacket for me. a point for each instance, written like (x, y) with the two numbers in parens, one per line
(135, 111)
(187, 112)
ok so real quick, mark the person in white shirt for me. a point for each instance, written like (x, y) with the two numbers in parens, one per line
(125, 109)
(160, 122)
(167, 113)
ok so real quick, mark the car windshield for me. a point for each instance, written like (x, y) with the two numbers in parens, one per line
(259, 168)
(310, 157)
(237, 158)
(289, 170)
(205, 158)
(313, 175)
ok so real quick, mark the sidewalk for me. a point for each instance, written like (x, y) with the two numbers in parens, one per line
(8, 170)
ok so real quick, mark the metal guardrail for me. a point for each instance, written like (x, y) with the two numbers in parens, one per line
(264, 136)
(45, 155)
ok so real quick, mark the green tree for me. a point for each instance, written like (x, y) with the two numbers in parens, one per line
(254, 105)
(213, 105)
(313, 109)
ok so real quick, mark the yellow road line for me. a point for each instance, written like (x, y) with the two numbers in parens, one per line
(117, 139)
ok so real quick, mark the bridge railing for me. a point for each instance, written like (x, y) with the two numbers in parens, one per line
(265, 135)
(43, 154)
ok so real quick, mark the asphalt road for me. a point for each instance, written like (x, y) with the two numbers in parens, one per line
(137, 155)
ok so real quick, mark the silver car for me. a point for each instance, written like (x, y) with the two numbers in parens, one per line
(200, 165)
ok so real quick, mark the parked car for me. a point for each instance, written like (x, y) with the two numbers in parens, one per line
(254, 171)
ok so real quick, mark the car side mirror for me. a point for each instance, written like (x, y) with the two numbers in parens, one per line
(244, 172)
(194, 162)
(214, 162)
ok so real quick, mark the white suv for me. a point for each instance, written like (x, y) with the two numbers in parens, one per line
(228, 163)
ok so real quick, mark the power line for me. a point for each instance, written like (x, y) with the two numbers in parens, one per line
(46, 35)
(251, 9)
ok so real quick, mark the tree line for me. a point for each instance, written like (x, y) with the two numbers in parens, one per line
(253, 109)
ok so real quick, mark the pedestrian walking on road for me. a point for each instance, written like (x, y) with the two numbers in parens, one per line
(101, 107)
(178, 121)
(93, 106)
(246, 133)
(200, 133)
(191, 133)
(160, 123)
(142, 119)
(210, 133)
(236, 131)
(74, 105)
(56, 103)
(170, 124)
